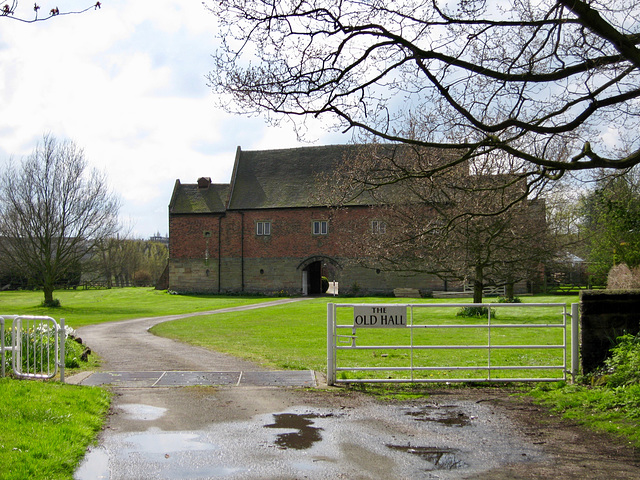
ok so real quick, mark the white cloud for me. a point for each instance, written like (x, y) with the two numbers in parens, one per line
(611, 137)
(127, 84)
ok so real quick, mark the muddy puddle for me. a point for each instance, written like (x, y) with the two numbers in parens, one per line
(379, 441)
(305, 434)
(448, 415)
(440, 458)
(136, 411)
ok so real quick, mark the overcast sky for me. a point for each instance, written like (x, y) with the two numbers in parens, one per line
(127, 84)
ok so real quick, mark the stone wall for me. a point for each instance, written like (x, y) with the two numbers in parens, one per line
(604, 316)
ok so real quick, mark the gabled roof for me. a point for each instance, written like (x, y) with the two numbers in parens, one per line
(282, 178)
(189, 198)
(288, 178)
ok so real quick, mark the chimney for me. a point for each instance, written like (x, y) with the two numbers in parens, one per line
(204, 182)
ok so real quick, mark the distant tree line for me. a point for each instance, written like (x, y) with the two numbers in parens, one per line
(118, 262)
(122, 262)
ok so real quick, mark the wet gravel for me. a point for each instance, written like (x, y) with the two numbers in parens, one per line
(240, 433)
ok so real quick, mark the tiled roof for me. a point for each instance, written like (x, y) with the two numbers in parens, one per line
(190, 198)
(283, 178)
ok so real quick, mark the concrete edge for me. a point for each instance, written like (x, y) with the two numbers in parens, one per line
(79, 377)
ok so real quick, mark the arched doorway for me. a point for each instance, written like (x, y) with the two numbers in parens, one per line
(314, 278)
(313, 269)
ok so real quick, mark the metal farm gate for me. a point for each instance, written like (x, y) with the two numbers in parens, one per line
(35, 346)
(432, 342)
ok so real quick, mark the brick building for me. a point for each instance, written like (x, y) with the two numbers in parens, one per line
(267, 232)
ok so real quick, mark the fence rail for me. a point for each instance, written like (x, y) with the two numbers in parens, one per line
(421, 338)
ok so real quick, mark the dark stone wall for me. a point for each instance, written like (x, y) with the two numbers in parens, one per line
(604, 316)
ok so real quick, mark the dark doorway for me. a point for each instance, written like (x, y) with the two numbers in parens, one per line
(314, 269)
(314, 278)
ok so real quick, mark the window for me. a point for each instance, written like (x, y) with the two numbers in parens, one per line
(378, 227)
(320, 227)
(263, 228)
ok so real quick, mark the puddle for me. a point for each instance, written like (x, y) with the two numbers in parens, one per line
(303, 438)
(446, 415)
(167, 443)
(182, 472)
(440, 458)
(135, 411)
(95, 466)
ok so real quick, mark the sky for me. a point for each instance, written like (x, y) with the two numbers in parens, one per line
(127, 83)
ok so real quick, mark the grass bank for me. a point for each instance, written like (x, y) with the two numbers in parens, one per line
(615, 410)
(45, 428)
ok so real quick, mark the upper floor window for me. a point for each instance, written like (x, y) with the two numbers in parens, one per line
(378, 227)
(263, 228)
(320, 227)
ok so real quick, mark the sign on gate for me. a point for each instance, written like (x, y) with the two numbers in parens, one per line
(383, 316)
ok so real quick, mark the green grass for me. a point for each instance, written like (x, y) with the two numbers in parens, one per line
(88, 307)
(612, 410)
(293, 336)
(612, 402)
(45, 427)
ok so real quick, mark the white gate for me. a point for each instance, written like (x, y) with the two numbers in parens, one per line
(35, 344)
(429, 342)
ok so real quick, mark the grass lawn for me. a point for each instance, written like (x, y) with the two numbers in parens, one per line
(88, 307)
(293, 336)
(612, 410)
(45, 428)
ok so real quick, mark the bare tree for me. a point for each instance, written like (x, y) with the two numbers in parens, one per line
(12, 12)
(552, 85)
(53, 212)
(478, 228)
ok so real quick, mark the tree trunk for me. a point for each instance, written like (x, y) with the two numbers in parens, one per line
(478, 284)
(48, 294)
(509, 291)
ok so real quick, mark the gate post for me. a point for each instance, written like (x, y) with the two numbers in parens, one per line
(331, 338)
(2, 367)
(62, 338)
(575, 341)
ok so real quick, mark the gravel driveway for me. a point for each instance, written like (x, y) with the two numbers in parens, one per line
(249, 432)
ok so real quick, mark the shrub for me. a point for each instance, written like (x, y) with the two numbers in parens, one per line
(40, 337)
(141, 278)
(624, 362)
(479, 312)
(354, 291)
(621, 277)
(509, 300)
(325, 284)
